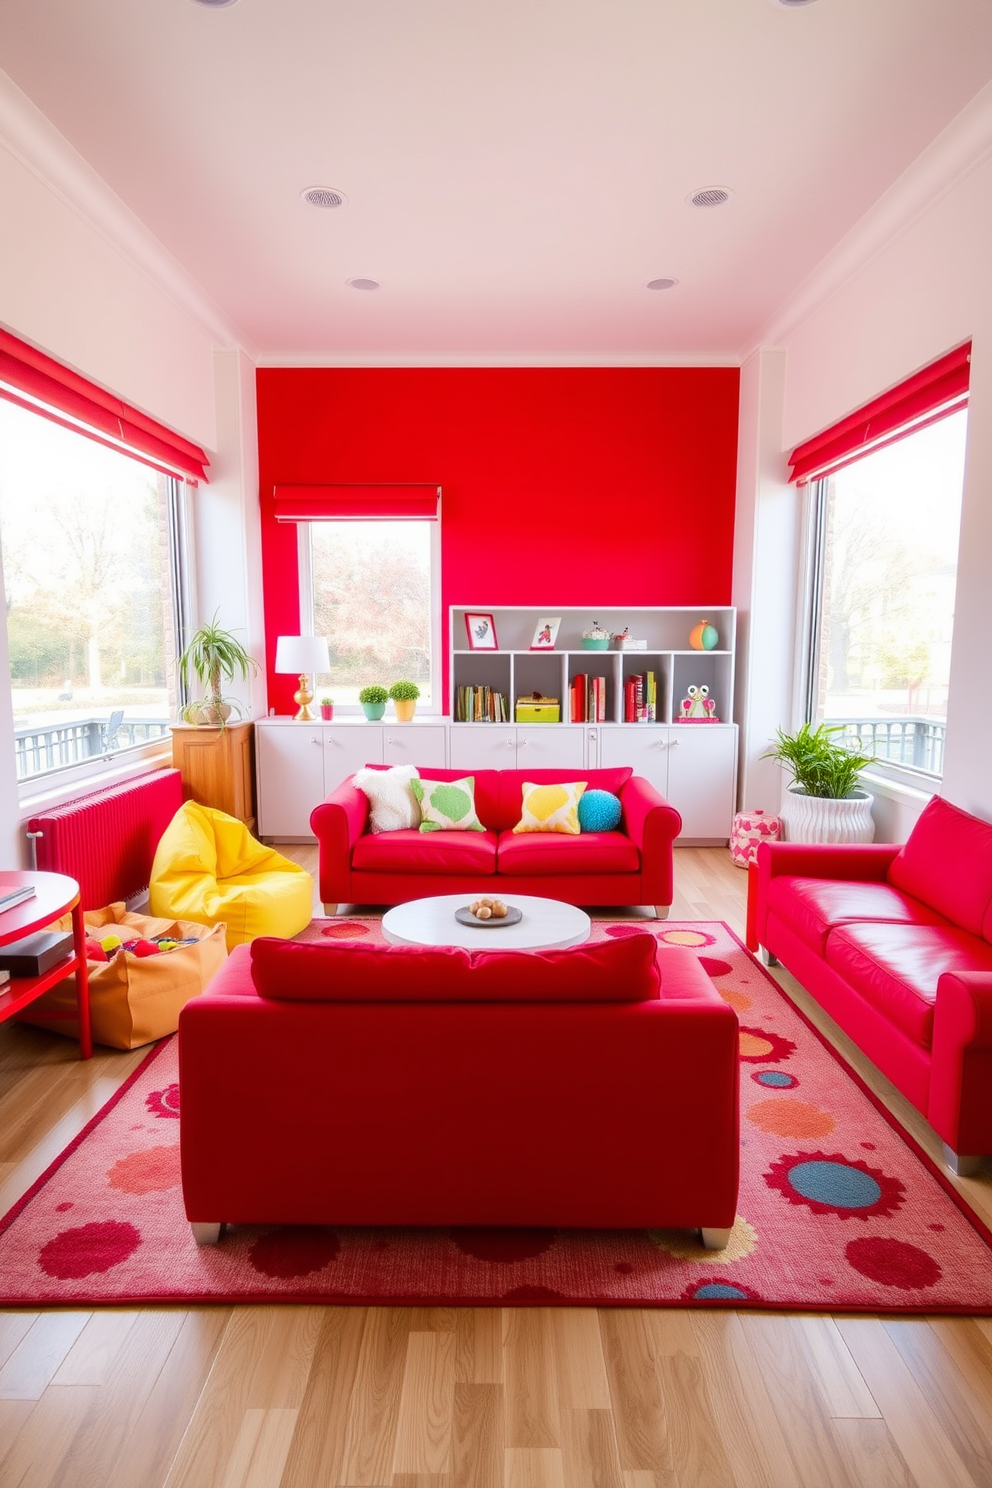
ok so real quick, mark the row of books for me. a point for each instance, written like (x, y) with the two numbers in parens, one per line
(587, 699)
(640, 698)
(481, 705)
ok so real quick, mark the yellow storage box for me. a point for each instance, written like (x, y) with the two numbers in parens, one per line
(538, 709)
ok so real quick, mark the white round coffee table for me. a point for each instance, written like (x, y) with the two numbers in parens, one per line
(545, 924)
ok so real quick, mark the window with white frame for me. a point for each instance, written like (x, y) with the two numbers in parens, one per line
(372, 588)
(91, 540)
(884, 546)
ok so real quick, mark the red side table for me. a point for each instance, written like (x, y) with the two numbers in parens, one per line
(54, 895)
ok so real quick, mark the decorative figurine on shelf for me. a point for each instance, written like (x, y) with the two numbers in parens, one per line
(697, 706)
(704, 636)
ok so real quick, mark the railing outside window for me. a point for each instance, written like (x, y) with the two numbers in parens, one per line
(47, 747)
(917, 743)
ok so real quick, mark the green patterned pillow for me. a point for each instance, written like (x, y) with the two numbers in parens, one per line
(447, 805)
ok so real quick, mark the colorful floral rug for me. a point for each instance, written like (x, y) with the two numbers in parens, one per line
(839, 1211)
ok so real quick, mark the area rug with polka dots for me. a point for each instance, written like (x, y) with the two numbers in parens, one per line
(839, 1210)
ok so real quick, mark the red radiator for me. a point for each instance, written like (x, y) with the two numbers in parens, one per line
(106, 841)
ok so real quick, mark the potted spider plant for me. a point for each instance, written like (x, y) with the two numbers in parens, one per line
(212, 654)
(404, 696)
(824, 801)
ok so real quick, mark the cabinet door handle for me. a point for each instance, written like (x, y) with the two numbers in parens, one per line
(314, 739)
(674, 743)
(520, 742)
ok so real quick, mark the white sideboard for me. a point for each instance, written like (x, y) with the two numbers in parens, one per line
(298, 764)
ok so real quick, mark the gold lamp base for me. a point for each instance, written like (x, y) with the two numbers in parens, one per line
(303, 697)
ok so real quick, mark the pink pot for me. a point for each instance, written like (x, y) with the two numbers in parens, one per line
(327, 711)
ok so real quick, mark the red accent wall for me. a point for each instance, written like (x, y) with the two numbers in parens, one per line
(579, 486)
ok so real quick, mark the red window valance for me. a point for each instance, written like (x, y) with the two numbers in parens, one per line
(356, 503)
(928, 395)
(35, 381)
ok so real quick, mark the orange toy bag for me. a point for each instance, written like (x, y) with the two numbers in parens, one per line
(135, 999)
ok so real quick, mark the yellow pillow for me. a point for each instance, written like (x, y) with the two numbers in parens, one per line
(551, 808)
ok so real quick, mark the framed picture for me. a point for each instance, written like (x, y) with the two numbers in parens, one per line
(481, 632)
(545, 635)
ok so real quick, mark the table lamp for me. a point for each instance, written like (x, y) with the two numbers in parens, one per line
(306, 655)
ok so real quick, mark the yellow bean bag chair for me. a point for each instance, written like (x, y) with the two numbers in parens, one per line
(209, 868)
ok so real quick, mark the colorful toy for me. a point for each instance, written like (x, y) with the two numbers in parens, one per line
(704, 636)
(105, 949)
(697, 706)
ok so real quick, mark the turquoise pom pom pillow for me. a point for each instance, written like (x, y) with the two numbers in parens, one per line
(599, 811)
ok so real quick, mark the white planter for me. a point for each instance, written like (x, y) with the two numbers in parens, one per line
(821, 819)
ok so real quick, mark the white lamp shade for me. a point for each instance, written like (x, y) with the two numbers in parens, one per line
(299, 654)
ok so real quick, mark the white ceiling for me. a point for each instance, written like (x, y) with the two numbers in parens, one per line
(515, 172)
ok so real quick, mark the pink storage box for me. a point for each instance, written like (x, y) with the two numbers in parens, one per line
(750, 828)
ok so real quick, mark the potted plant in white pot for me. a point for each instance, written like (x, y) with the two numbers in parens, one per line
(404, 696)
(211, 655)
(824, 802)
(373, 700)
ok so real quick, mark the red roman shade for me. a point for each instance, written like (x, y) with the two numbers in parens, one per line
(931, 394)
(357, 503)
(37, 382)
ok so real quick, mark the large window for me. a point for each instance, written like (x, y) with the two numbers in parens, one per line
(371, 589)
(884, 565)
(91, 559)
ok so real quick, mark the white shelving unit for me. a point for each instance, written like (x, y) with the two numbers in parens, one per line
(516, 671)
(693, 764)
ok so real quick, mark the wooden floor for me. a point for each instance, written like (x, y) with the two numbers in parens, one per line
(324, 1397)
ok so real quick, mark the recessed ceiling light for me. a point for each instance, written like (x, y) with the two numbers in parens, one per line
(661, 284)
(324, 196)
(793, 4)
(216, 4)
(710, 196)
(363, 283)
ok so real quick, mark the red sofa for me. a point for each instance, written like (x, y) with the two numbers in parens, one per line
(345, 1084)
(895, 943)
(632, 865)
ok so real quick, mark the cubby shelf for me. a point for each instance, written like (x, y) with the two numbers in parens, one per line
(514, 670)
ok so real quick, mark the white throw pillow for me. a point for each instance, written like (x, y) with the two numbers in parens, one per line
(392, 804)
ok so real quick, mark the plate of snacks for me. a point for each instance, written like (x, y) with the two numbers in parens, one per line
(488, 914)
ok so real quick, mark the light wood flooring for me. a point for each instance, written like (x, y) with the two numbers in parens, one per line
(325, 1397)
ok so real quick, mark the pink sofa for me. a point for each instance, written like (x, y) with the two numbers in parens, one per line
(345, 1084)
(632, 865)
(895, 943)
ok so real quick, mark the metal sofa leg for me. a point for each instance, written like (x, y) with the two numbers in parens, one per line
(205, 1233)
(766, 958)
(960, 1165)
(715, 1239)
(661, 911)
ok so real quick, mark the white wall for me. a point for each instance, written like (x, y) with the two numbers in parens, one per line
(83, 280)
(920, 291)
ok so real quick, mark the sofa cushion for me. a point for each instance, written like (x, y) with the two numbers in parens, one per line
(947, 862)
(447, 805)
(549, 852)
(812, 907)
(392, 803)
(599, 811)
(623, 970)
(487, 806)
(551, 807)
(896, 967)
(511, 784)
(434, 852)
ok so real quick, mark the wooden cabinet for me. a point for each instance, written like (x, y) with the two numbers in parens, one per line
(218, 767)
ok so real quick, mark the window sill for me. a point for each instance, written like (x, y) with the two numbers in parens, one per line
(66, 785)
